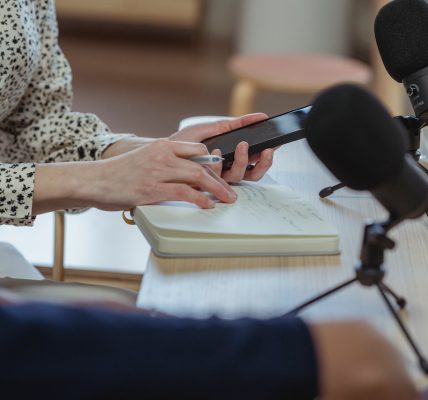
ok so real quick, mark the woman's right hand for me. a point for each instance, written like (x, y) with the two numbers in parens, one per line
(157, 172)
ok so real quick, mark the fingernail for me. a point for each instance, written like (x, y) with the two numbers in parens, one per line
(233, 195)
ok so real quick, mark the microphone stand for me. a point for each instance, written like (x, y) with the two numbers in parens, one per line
(413, 126)
(370, 272)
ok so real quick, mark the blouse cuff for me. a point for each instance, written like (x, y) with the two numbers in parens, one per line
(16, 193)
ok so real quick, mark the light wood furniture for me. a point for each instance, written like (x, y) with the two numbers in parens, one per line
(91, 244)
(290, 73)
(269, 286)
(309, 74)
(182, 13)
(59, 240)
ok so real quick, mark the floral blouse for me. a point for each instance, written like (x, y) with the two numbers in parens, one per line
(36, 121)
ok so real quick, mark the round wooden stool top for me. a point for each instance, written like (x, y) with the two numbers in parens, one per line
(301, 73)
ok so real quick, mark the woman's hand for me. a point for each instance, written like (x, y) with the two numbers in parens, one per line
(158, 171)
(200, 132)
(136, 171)
(161, 171)
(239, 169)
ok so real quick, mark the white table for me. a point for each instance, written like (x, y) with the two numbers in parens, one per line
(268, 286)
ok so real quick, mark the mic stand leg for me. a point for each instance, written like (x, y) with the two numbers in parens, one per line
(401, 301)
(422, 361)
(295, 311)
(370, 272)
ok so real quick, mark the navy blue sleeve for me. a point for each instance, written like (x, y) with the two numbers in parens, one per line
(71, 353)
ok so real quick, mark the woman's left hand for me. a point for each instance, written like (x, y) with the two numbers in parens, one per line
(239, 170)
(244, 167)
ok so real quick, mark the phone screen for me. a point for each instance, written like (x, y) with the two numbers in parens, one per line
(271, 132)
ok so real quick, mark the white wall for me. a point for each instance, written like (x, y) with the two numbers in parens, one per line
(222, 18)
(294, 26)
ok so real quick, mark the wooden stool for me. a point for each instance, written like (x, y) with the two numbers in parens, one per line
(293, 73)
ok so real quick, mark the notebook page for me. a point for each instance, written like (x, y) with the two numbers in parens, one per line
(259, 210)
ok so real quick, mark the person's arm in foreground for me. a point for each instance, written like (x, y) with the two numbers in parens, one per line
(71, 353)
(357, 363)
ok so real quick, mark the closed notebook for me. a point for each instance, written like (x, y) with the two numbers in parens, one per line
(265, 220)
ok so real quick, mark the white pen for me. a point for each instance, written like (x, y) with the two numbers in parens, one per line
(206, 159)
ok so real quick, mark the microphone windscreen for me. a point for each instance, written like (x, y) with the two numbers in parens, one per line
(401, 30)
(355, 137)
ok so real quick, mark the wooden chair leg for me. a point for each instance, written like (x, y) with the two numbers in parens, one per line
(242, 98)
(58, 265)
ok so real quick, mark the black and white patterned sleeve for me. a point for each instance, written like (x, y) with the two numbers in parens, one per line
(16, 193)
(44, 125)
(42, 128)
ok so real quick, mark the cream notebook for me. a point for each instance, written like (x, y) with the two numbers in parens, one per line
(265, 220)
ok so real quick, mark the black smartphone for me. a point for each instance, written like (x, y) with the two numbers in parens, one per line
(270, 133)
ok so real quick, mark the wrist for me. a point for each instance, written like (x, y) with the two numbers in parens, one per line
(65, 185)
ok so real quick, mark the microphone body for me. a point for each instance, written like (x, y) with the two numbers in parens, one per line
(416, 86)
(394, 194)
(359, 142)
(401, 30)
(354, 136)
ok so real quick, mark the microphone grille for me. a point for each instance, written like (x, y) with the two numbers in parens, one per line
(401, 30)
(355, 137)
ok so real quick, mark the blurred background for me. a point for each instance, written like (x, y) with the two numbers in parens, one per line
(144, 65)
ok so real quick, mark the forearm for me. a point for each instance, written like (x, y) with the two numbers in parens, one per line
(127, 355)
(356, 362)
(60, 186)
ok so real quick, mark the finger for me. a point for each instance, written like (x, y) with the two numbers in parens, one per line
(217, 167)
(183, 192)
(232, 194)
(260, 169)
(196, 175)
(217, 186)
(255, 158)
(200, 132)
(231, 124)
(236, 173)
(181, 149)
(251, 118)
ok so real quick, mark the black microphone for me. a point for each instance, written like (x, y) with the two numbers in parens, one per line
(401, 30)
(354, 136)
